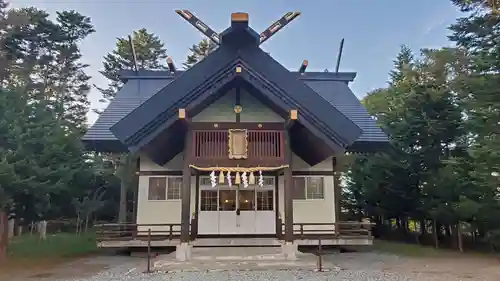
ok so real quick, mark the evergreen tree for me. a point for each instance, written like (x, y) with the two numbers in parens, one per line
(479, 35)
(43, 95)
(199, 52)
(419, 111)
(151, 55)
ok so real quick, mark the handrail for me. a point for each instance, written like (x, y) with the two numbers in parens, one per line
(347, 229)
(127, 231)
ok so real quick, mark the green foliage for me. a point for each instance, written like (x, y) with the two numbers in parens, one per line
(441, 112)
(43, 107)
(199, 52)
(150, 53)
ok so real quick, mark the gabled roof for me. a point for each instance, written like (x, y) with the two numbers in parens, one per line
(129, 97)
(154, 117)
(340, 95)
(146, 119)
(139, 87)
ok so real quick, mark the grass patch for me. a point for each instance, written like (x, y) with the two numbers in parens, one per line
(56, 246)
(414, 250)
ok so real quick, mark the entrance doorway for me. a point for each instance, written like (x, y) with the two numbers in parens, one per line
(237, 210)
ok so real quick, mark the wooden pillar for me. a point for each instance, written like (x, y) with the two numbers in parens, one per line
(186, 182)
(288, 189)
(279, 231)
(336, 189)
(194, 227)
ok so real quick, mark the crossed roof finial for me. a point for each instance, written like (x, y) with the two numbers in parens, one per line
(238, 17)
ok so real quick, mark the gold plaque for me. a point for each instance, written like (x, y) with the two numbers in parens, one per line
(238, 144)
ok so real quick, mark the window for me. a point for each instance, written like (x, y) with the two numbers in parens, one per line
(164, 188)
(174, 188)
(205, 181)
(208, 200)
(265, 200)
(157, 188)
(269, 181)
(315, 188)
(308, 188)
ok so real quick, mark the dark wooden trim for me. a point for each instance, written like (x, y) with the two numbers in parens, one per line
(194, 227)
(231, 162)
(160, 173)
(186, 188)
(313, 173)
(201, 236)
(238, 102)
(288, 190)
(277, 126)
(136, 190)
(310, 173)
(253, 162)
(277, 206)
(336, 190)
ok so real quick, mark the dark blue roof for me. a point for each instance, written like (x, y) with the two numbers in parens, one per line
(333, 87)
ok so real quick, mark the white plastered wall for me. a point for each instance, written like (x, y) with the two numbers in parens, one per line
(311, 210)
(160, 211)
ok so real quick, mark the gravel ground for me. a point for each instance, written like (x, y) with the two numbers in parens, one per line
(254, 276)
(343, 267)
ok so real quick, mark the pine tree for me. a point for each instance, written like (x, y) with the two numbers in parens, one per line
(479, 35)
(199, 52)
(151, 55)
(403, 62)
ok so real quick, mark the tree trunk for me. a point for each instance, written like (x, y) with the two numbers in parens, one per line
(423, 231)
(86, 223)
(447, 230)
(19, 230)
(4, 235)
(122, 213)
(12, 224)
(459, 238)
(398, 224)
(435, 233)
(43, 229)
(78, 224)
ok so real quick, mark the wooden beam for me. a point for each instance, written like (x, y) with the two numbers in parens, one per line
(277, 26)
(294, 115)
(279, 231)
(194, 228)
(186, 188)
(182, 113)
(237, 102)
(288, 189)
(303, 67)
(171, 65)
(336, 189)
(239, 17)
(201, 26)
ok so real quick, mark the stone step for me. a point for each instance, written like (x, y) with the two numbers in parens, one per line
(240, 242)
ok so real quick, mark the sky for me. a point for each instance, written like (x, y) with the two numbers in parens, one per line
(373, 31)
